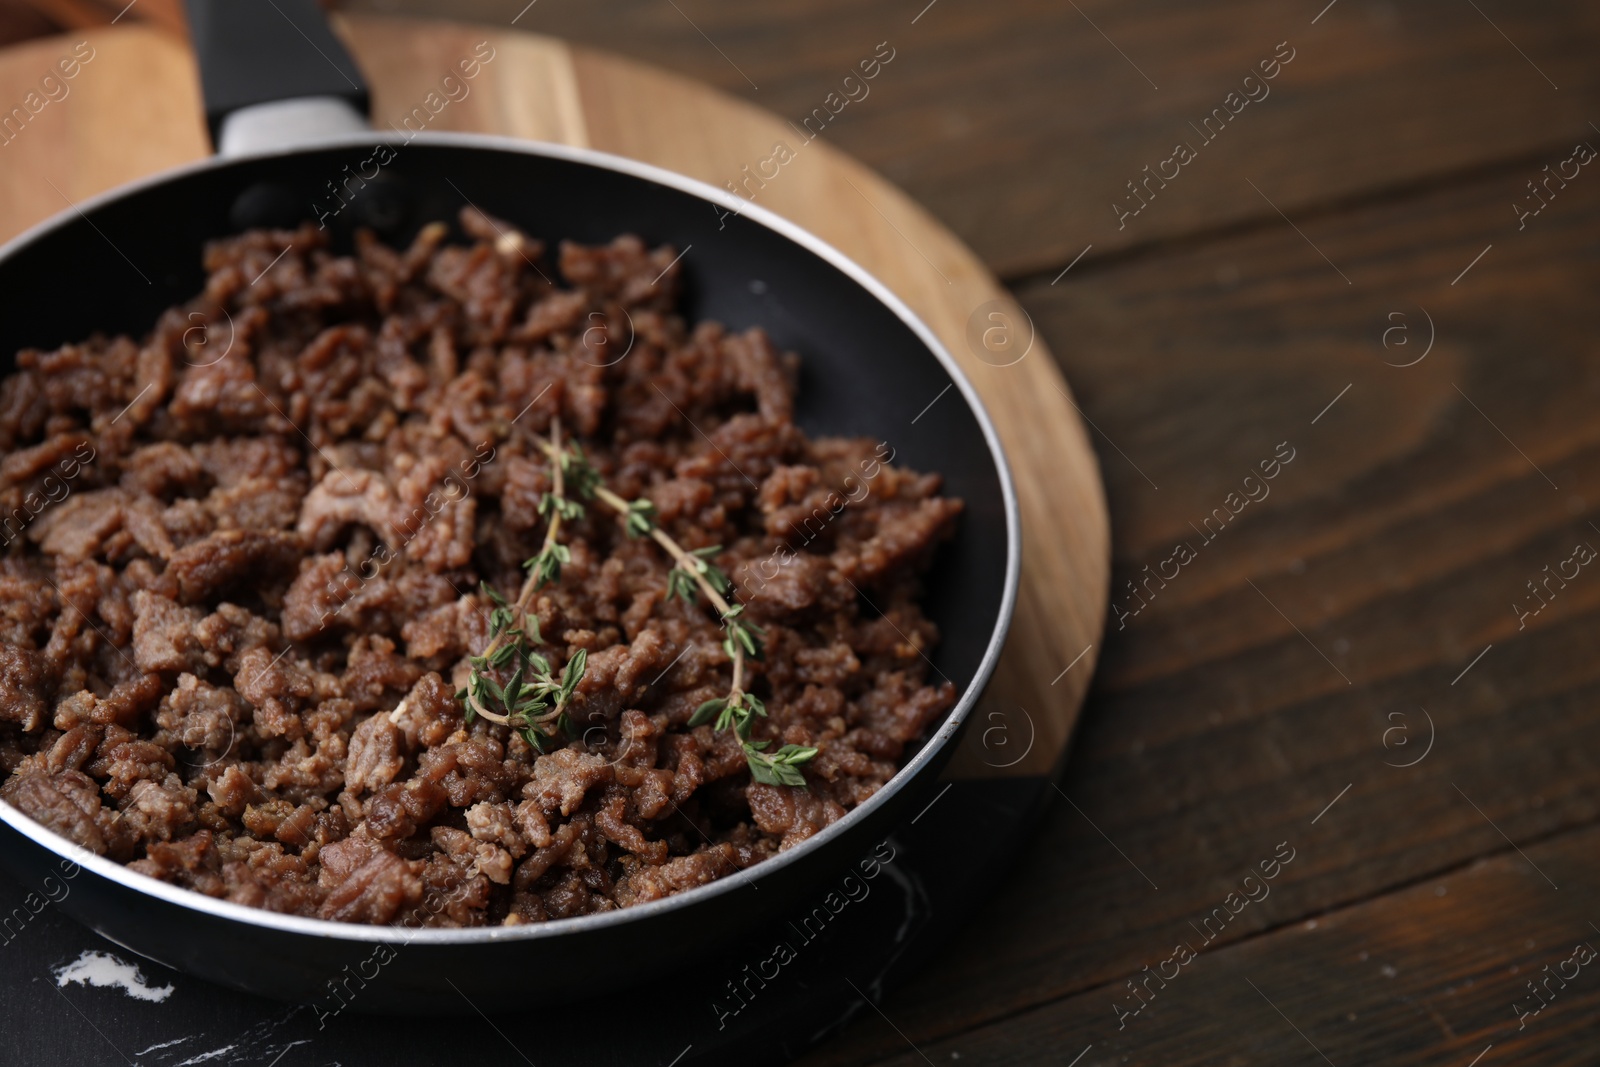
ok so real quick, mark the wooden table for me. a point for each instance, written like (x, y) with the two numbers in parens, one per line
(1370, 594)
(1341, 272)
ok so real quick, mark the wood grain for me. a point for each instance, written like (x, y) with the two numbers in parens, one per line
(1432, 976)
(1395, 543)
(1018, 124)
(129, 111)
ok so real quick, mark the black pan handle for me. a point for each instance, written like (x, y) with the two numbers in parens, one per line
(254, 52)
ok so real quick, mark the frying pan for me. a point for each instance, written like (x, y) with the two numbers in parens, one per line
(285, 105)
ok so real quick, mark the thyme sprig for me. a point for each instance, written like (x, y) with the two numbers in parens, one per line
(693, 573)
(533, 700)
(555, 506)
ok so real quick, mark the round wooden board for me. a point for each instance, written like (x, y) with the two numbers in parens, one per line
(134, 109)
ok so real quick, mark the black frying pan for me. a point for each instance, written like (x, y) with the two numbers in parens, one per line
(271, 69)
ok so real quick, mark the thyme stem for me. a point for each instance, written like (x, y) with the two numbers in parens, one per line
(535, 580)
(680, 556)
(690, 565)
(531, 585)
(738, 710)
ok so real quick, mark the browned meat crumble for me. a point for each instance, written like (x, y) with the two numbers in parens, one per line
(234, 547)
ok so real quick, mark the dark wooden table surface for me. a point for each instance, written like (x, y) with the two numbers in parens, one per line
(1354, 671)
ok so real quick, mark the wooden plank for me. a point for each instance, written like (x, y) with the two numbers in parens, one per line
(1020, 124)
(526, 89)
(1394, 544)
(128, 111)
(1437, 975)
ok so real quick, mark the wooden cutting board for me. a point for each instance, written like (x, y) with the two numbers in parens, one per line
(132, 108)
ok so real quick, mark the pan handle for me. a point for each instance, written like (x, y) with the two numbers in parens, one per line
(273, 74)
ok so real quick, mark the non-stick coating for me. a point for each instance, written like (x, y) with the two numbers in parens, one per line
(868, 370)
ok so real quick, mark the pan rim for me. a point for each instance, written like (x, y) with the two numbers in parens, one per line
(393, 934)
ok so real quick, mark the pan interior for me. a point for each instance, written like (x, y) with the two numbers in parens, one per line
(866, 371)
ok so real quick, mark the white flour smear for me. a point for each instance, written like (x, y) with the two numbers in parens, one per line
(104, 969)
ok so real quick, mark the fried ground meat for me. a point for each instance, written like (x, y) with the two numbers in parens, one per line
(229, 656)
